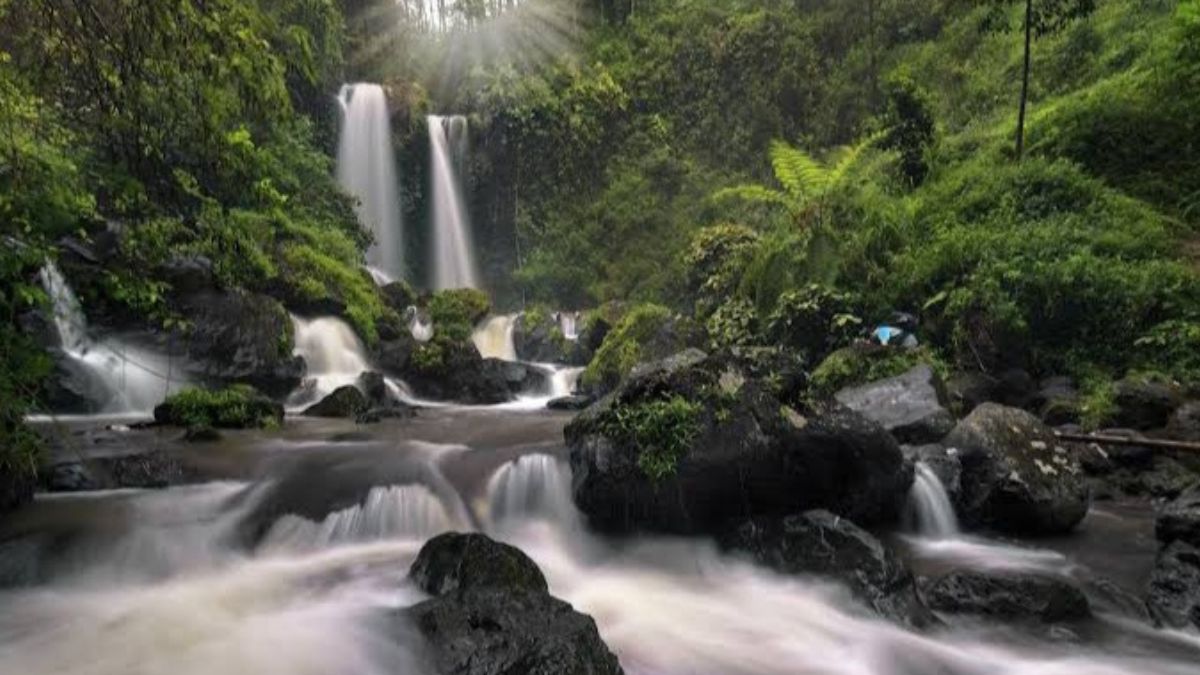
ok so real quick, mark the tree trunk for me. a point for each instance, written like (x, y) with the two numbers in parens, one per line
(1025, 79)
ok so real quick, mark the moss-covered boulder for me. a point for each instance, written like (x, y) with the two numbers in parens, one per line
(1016, 476)
(863, 363)
(235, 407)
(646, 333)
(454, 561)
(690, 442)
(538, 337)
(449, 369)
(456, 312)
(345, 402)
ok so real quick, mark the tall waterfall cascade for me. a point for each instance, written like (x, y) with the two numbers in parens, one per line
(453, 255)
(119, 377)
(366, 168)
(930, 510)
(333, 353)
(494, 338)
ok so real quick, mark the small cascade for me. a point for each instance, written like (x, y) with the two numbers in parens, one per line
(563, 381)
(929, 509)
(333, 353)
(404, 512)
(532, 487)
(366, 168)
(494, 338)
(568, 323)
(420, 324)
(453, 255)
(118, 377)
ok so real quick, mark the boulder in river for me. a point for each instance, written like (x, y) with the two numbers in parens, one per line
(452, 370)
(688, 443)
(492, 614)
(155, 469)
(1009, 596)
(235, 407)
(1144, 403)
(1016, 476)
(538, 338)
(822, 544)
(1180, 519)
(1057, 401)
(911, 405)
(346, 401)
(1173, 595)
(572, 402)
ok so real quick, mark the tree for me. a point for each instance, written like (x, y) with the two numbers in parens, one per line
(1042, 17)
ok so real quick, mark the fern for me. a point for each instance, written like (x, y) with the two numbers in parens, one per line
(799, 173)
(758, 194)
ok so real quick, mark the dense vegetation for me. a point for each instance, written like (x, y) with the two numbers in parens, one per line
(766, 173)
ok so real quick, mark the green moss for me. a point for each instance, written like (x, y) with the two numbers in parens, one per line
(623, 348)
(1098, 401)
(853, 366)
(455, 312)
(236, 407)
(662, 430)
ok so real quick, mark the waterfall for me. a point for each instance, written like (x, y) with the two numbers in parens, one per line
(533, 486)
(568, 323)
(453, 257)
(366, 168)
(392, 512)
(119, 377)
(333, 353)
(563, 381)
(929, 505)
(420, 324)
(494, 338)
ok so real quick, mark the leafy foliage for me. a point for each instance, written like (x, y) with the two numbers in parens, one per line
(662, 430)
(646, 331)
(235, 407)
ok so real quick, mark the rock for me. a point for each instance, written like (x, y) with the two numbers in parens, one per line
(399, 296)
(1184, 424)
(493, 615)
(1010, 596)
(238, 337)
(394, 355)
(155, 469)
(391, 412)
(910, 405)
(743, 454)
(16, 489)
(1057, 401)
(1133, 457)
(235, 407)
(1173, 594)
(968, 390)
(201, 433)
(822, 544)
(1016, 477)
(1014, 387)
(453, 561)
(374, 388)
(454, 371)
(572, 402)
(519, 377)
(785, 369)
(1180, 519)
(346, 401)
(1144, 404)
(68, 477)
(538, 338)
(188, 274)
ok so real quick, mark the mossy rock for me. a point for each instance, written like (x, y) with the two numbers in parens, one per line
(453, 561)
(863, 363)
(237, 407)
(346, 402)
(646, 333)
(456, 312)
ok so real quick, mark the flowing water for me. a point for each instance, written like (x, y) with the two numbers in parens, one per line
(453, 254)
(134, 582)
(494, 337)
(334, 355)
(420, 324)
(930, 510)
(118, 377)
(366, 168)
(568, 323)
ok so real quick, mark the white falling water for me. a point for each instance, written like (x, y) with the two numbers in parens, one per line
(420, 324)
(494, 338)
(333, 353)
(568, 323)
(929, 505)
(533, 486)
(122, 378)
(453, 255)
(410, 512)
(366, 168)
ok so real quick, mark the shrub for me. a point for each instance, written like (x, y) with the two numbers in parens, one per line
(662, 430)
(236, 407)
(456, 312)
(814, 319)
(715, 259)
(645, 332)
(733, 324)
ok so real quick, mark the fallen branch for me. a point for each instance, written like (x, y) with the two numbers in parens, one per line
(1125, 440)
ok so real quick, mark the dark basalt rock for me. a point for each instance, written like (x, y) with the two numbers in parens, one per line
(1057, 401)
(749, 455)
(1145, 404)
(346, 401)
(966, 391)
(1180, 519)
(1173, 595)
(493, 615)
(822, 544)
(538, 338)
(1010, 596)
(156, 469)
(911, 406)
(453, 561)
(395, 411)
(573, 402)
(460, 374)
(1184, 424)
(1016, 476)
(374, 388)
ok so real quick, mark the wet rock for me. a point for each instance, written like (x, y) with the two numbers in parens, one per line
(1173, 594)
(394, 411)
(910, 405)
(201, 433)
(155, 469)
(373, 388)
(68, 477)
(188, 274)
(1015, 388)
(573, 402)
(537, 337)
(519, 377)
(1144, 404)
(394, 355)
(346, 402)
(822, 544)
(454, 371)
(1009, 596)
(235, 407)
(1184, 424)
(454, 561)
(1180, 519)
(1016, 476)
(968, 390)
(1132, 457)
(493, 615)
(236, 337)
(1107, 597)
(744, 453)
(1057, 401)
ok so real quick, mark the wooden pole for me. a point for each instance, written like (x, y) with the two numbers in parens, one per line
(1122, 440)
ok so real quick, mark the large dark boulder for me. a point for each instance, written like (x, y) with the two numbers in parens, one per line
(1180, 519)
(1057, 401)
(155, 469)
(1184, 424)
(394, 354)
(966, 391)
(235, 407)
(1016, 476)
(911, 405)
(344, 402)
(688, 443)
(538, 337)
(571, 402)
(448, 370)
(1144, 403)
(1009, 596)
(239, 337)
(822, 544)
(492, 614)
(1173, 595)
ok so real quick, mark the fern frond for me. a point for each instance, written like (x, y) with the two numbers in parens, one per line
(799, 173)
(759, 194)
(845, 158)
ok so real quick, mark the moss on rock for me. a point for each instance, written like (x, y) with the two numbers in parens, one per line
(237, 407)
